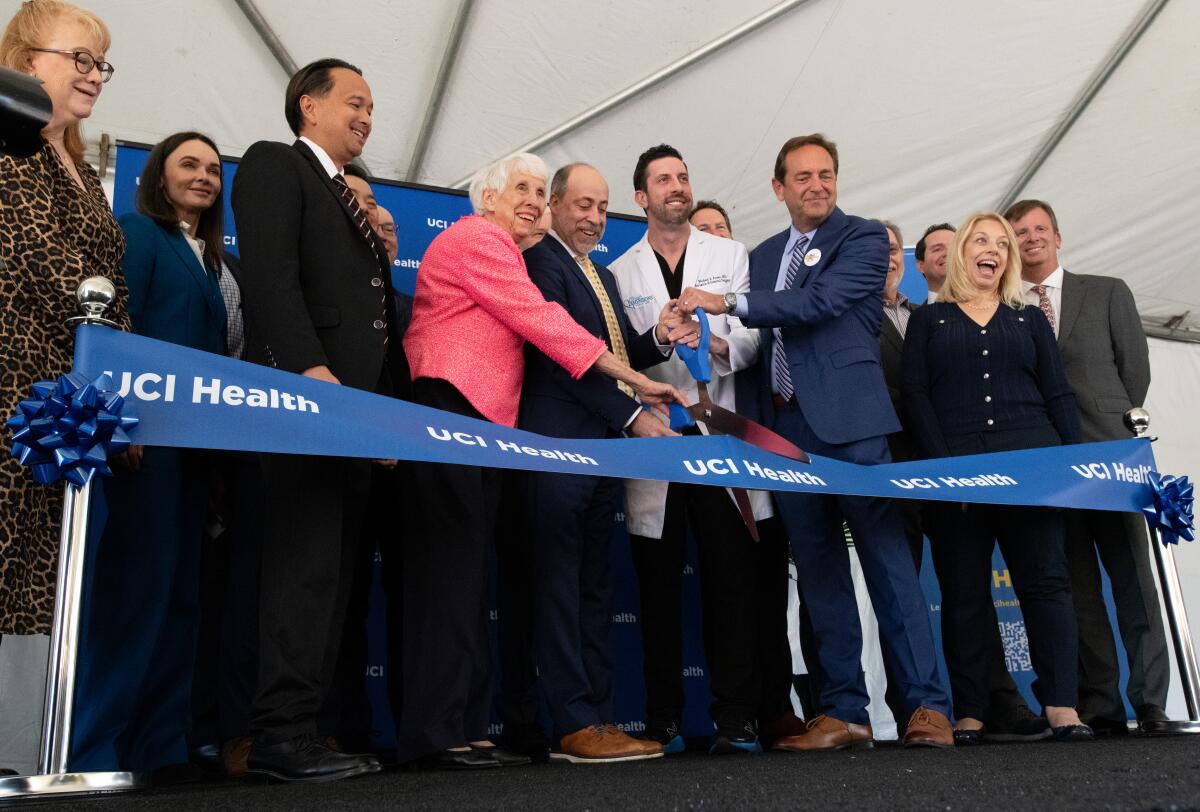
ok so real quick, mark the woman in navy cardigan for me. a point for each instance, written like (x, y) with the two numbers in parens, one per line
(982, 373)
(142, 605)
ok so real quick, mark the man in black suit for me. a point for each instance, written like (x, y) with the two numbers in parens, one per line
(316, 302)
(1107, 361)
(571, 516)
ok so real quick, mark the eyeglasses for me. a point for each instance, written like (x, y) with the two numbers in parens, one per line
(84, 62)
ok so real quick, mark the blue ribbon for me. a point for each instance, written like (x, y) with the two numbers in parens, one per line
(1171, 513)
(68, 429)
(192, 399)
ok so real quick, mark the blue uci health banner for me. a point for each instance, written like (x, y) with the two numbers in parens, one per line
(420, 212)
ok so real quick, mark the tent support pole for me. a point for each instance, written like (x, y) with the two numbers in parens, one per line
(1081, 102)
(434, 107)
(659, 76)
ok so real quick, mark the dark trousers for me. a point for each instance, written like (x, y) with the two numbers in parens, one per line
(517, 700)
(813, 522)
(1031, 540)
(572, 597)
(771, 580)
(1005, 701)
(1123, 546)
(227, 649)
(140, 617)
(313, 511)
(346, 713)
(728, 568)
(447, 657)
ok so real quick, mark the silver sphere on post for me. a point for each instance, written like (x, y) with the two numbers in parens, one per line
(1137, 420)
(95, 295)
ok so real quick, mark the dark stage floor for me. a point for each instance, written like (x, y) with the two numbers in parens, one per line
(1132, 773)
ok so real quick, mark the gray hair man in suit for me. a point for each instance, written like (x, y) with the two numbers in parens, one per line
(1107, 362)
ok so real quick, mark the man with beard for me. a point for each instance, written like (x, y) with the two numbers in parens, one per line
(736, 599)
(569, 516)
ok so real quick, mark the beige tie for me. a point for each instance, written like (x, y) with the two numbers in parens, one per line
(610, 317)
(1044, 304)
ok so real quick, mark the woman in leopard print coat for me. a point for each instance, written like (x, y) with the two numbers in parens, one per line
(56, 229)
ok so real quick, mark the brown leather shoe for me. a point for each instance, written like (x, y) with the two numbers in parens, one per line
(598, 744)
(234, 753)
(647, 746)
(928, 728)
(827, 733)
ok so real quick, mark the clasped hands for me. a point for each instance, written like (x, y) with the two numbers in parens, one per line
(680, 327)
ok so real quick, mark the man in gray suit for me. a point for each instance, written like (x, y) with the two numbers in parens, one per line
(1107, 361)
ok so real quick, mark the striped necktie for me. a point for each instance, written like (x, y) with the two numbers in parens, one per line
(779, 364)
(364, 228)
(616, 338)
(359, 216)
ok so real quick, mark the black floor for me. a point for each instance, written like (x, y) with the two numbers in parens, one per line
(1162, 773)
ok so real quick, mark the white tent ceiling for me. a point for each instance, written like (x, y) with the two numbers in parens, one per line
(938, 108)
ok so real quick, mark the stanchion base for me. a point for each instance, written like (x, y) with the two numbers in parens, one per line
(1169, 728)
(66, 784)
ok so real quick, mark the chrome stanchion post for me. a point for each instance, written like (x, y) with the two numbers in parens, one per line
(1138, 421)
(95, 295)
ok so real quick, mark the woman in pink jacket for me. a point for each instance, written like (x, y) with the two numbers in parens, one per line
(473, 311)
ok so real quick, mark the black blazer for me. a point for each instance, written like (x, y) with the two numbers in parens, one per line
(554, 403)
(315, 291)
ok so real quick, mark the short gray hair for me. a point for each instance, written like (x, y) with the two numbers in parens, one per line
(895, 229)
(496, 174)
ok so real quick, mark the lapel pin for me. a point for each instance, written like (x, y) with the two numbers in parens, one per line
(812, 257)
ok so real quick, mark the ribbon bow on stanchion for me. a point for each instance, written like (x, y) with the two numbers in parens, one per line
(68, 429)
(1171, 514)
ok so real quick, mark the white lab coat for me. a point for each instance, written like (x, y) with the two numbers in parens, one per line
(714, 264)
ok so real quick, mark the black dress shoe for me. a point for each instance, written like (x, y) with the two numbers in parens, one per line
(526, 740)
(306, 758)
(1018, 726)
(1072, 733)
(1102, 726)
(969, 738)
(505, 757)
(460, 760)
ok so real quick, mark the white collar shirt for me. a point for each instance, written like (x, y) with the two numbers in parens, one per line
(1053, 284)
(322, 156)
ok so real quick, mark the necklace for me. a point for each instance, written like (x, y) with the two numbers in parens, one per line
(991, 303)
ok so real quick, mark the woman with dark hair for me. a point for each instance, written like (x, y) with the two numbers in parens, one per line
(142, 605)
(981, 373)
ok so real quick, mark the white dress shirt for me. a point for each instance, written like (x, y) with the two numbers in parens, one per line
(322, 156)
(1053, 283)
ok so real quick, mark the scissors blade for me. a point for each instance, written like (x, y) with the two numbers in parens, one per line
(726, 422)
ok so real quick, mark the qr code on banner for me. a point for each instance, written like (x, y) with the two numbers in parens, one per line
(1016, 646)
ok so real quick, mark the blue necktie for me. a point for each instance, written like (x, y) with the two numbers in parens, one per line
(779, 365)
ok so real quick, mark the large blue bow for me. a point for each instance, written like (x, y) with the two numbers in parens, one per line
(68, 429)
(1171, 513)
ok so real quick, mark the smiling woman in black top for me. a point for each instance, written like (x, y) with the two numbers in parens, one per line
(982, 373)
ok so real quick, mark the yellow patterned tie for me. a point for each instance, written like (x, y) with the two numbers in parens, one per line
(610, 317)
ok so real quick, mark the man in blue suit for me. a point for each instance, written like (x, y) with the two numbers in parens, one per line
(570, 516)
(815, 290)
